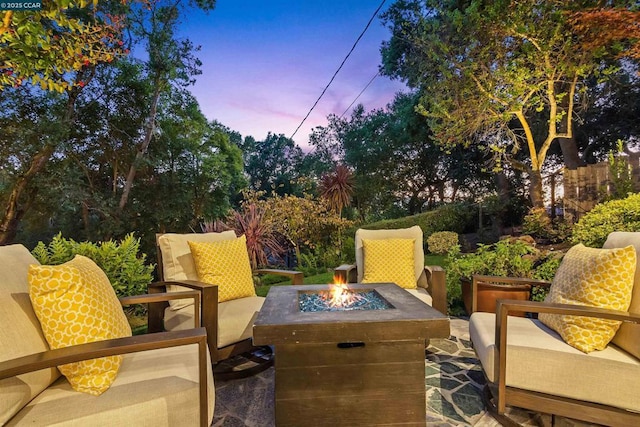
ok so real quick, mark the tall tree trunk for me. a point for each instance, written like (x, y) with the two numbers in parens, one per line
(142, 149)
(16, 208)
(570, 153)
(535, 188)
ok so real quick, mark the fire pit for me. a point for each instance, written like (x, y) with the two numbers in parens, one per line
(354, 357)
(340, 298)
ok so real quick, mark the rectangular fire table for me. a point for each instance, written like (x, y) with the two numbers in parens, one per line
(360, 367)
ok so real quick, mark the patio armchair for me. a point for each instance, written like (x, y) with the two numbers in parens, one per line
(164, 379)
(229, 323)
(427, 283)
(531, 365)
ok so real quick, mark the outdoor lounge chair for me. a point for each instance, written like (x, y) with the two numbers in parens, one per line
(229, 324)
(529, 365)
(164, 379)
(430, 284)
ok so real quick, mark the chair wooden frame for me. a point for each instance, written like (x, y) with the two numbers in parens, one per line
(504, 395)
(436, 282)
(208, 308)
(479, 279)
(120, 346)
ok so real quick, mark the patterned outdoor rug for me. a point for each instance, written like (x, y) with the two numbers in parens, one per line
(453, 382)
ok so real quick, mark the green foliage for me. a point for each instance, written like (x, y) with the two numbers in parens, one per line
(452, 217)
(48, 46)
(441, 242)
(616, 215)
(619, 174)
(538, 224)
(125, 268)
(483, 65)
(508, 257)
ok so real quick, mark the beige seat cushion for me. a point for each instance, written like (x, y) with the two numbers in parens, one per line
(539, 360)
(235, 319)
(177, 262)
(414, 232)
(20, 334)
(154, 388)
(628, 335)
(422, 295)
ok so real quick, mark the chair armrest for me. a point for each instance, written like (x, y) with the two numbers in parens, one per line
(296, 277)
(118, 346)
(208, 309)
(437, 287)
(503, 308)
(165, 296)
(347, 273)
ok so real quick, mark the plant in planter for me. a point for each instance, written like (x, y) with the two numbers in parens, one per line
(507, 258)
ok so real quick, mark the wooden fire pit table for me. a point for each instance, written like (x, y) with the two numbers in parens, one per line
(355, 368)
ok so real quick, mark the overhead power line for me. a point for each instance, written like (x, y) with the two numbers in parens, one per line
(339, 68)
(361, 92)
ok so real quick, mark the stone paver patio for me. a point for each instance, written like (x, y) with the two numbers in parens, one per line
(453, 382)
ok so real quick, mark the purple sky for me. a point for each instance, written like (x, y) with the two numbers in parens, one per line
(266, 62)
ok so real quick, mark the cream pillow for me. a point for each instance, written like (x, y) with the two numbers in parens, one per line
(596, 278)
(226, 264)
(76, 304)
(389, 260)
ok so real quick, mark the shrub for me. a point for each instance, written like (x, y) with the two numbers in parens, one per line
(537, 223)
(508, 257)
(452, 217)
(125, 268)
(441, 242)
(616, 215)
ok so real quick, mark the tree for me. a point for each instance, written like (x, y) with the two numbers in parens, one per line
(48, 46)
(337, 188)
(491, 73)
(170, 62)
(272, 164)
(601, 27)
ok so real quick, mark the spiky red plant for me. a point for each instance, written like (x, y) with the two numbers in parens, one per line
(260, 237)
(337, 188)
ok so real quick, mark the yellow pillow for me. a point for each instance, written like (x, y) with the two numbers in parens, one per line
(76, 304)
(389, 260)
(226, 264)
(596, 278)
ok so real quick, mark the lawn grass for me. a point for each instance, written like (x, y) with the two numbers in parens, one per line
(316, 279)
(433, 259)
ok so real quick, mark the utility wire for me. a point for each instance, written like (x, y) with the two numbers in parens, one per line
(338, 70)
(361, 92)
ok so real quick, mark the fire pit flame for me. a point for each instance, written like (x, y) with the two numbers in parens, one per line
(340, 296)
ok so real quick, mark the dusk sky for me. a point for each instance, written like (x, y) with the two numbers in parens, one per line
(266, 62)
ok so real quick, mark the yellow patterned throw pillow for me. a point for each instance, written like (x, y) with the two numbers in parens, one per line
(226, 264)
(76, 304)
(389, 261)
(591, 277)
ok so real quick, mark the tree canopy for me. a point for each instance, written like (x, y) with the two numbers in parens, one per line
(505, 75)
(46, 47)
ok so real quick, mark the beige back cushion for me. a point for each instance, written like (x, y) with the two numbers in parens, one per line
(628, 336)
(177, 262)
(20, 334)
(414, 232)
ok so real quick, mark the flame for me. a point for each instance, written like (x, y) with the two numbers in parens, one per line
(339, 280)
(339, 295)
